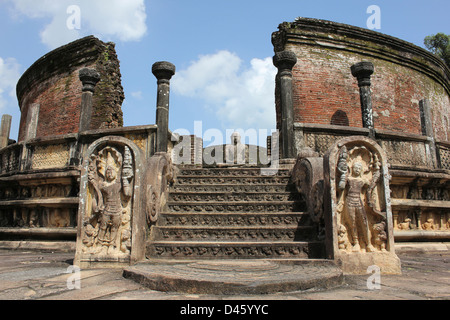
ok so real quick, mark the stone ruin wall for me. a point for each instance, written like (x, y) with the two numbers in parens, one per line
(52, 84)
(323, 85)
(325, 92)
(327, 108)
(39, 175)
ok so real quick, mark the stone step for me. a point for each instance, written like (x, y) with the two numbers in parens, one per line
(214, 196)
(236, 277)
(248, 233)
(259, 180)
(227, 187)
(247, 172)
(237, 206)
(236, 250)
(285, 219)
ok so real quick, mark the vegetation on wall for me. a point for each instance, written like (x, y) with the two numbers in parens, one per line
(439, 44)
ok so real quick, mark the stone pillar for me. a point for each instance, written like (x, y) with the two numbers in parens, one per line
(89, 78)
(427, 130)
(32, 121)
(362, 71)
(163, 71)
(5, 130)
(285, 61)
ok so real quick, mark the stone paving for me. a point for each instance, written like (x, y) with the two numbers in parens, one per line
(34, 275)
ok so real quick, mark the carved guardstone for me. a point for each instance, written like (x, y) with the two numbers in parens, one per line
(110, 223)
(357, 206)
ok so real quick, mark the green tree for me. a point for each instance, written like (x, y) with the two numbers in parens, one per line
(439, 44)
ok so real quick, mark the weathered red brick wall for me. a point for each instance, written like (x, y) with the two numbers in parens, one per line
(54, 84)
(59, 99)
(324, 89)
(325, 92)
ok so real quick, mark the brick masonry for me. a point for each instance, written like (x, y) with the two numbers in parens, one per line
(54, 84)
(325, 92)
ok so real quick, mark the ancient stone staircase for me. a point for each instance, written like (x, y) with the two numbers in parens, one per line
(234, 213)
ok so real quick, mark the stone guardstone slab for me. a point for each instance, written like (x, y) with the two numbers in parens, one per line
(235, 277)
(111, 224)
(357, 206)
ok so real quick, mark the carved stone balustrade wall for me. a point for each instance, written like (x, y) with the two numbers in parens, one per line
(39, 184)
(420, 182)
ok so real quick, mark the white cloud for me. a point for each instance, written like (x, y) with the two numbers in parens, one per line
(242, 97)
(9, 75)
(137, 95)
(110, 19)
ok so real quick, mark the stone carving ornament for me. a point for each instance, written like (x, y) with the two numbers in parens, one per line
(307, 175)
(107, 225)
(358, 206)
(159, 175)
(358, 214)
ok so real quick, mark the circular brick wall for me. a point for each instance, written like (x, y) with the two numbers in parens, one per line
(325, 92)
(53, 84)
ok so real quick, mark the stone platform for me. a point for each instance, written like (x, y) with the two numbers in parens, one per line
(230, 277)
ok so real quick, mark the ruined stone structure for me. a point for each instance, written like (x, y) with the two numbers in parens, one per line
(360, 161)
(68, 99)
(53, 81)
(349, 81)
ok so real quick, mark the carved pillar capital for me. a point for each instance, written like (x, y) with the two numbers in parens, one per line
(362, 71)
(163, 71)
(285, 61)
(89, 78)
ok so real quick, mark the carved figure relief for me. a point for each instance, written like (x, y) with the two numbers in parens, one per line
(406, 225)
(359, 207)
(417, 219)
(429, 224)
(110, 188)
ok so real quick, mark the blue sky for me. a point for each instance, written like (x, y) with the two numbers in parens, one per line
(222, 49)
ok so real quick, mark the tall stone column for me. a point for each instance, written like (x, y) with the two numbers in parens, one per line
(32, 121)
(89, 78)
(163, 71)
(427, 130)
(362, 71)
(285, 61)
(5, 130)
